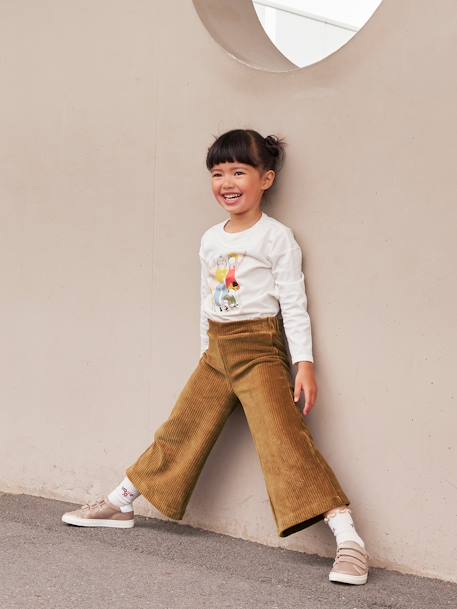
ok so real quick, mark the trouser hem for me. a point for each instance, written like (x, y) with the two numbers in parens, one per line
(309, 515)
(161, 506)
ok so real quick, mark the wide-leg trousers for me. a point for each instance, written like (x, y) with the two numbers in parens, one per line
(246, 363)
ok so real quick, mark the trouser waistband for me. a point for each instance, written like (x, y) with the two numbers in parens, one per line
(261, 324)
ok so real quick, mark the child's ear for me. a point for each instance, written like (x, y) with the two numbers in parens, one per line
(268, 178)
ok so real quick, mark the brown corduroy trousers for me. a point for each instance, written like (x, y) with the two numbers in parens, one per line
(246, 362)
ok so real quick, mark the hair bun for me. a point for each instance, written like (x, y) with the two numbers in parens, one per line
(272, 143)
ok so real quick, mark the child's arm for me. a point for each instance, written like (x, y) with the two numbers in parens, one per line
(289, 279)
(286, 260)
(204, 291)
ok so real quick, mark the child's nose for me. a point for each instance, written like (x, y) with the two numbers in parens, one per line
(227, 183)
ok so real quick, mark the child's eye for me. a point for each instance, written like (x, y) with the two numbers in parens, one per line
(218, 175)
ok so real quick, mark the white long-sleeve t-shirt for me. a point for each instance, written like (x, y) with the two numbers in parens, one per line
(252, 274)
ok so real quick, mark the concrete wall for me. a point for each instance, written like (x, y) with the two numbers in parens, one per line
(107, 110)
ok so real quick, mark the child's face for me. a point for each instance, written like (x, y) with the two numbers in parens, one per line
(245, 181)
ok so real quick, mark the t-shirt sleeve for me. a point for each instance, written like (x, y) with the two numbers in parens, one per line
(204, 291)
(286, 258)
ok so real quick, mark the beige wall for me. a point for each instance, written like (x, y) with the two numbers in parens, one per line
(106, 113)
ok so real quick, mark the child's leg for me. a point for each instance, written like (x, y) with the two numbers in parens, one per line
(167, 471)
(301, 485)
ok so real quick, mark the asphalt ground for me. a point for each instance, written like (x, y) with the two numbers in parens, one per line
(45, 563)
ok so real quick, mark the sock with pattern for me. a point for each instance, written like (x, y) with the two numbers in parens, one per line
(123, 495)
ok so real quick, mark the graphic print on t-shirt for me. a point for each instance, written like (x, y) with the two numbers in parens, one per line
(225, 287)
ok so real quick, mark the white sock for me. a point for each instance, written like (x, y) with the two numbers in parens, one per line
(123, 495)
(343, 527)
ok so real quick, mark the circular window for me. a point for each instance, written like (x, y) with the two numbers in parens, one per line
(283, 35)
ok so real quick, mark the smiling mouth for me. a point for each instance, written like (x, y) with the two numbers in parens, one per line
(231, 198)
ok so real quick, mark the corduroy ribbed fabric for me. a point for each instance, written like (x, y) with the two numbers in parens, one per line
(246, 363)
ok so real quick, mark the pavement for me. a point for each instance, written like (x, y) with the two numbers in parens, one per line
(45, 563)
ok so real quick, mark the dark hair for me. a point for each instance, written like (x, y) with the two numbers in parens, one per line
(249, 147)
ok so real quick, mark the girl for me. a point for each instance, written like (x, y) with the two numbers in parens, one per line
(253, 310)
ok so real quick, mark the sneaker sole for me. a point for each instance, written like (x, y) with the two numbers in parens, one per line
(348, 579)
(98, 522)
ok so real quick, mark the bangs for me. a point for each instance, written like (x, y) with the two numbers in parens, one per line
(234, 146)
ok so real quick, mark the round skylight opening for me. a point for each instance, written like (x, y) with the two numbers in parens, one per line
(283, 35)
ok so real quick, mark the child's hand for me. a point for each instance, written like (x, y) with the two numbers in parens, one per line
(304, 380)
